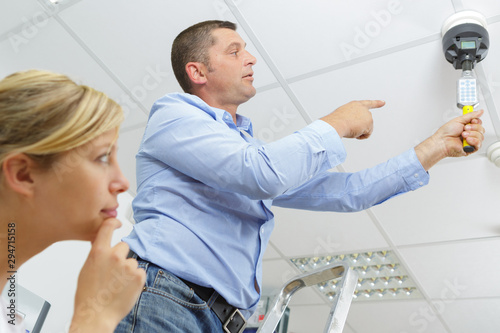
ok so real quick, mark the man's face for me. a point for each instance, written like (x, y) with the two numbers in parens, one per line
(230, 74)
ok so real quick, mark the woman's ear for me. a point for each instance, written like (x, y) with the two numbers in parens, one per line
(196, 72)
(18, 171)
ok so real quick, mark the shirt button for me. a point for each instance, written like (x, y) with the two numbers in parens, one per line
(421, 183)
(262, 230)
(416, 175)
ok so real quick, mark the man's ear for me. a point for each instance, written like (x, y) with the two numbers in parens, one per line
(18, 171)
(196, 72)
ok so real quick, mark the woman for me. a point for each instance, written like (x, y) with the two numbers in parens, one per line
(59, 180)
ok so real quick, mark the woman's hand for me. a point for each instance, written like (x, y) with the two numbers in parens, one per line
(108, 285)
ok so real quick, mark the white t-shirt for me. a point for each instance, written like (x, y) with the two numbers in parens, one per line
(5, 327)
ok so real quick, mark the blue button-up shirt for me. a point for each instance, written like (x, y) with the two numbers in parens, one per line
(206, 186)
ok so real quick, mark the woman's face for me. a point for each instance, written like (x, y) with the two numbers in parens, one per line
(79, 191)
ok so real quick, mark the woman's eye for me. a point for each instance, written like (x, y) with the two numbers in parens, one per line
(103, 158)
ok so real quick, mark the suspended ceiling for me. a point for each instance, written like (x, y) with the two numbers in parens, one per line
(313, 57)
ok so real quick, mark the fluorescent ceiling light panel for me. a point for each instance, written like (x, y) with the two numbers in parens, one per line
(381, 276)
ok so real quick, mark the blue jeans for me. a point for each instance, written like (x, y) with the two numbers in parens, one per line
(167, 304)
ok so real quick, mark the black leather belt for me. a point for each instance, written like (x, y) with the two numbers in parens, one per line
(231, 318)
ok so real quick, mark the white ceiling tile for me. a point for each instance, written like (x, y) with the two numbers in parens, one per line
(21, 14)
(142, 63)
(308, 319)
(492, 73)
(307, 296)
(122, 47)
(139, 53)
(274, 275)
(488, 8)
(418, 100)
(271, 253)
(456, 270)
(56, 51)
(304, 233)
(393, 317)
(472, 315)
(321, 33)
(458, 203)
(128, 146)
(347, 329)
(273, 115)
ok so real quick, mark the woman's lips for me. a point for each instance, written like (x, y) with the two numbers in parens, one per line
(110, 212)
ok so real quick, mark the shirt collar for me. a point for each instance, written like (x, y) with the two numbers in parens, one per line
(242, 123)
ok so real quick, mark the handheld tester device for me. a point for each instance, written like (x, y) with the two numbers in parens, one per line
(465, 42)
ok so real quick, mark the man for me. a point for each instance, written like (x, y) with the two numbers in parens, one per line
(206, 186)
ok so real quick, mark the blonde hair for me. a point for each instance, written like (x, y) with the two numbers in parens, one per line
(43, 114)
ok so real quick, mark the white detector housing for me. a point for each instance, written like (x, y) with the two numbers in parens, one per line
(467, 16)
(465, 39)
(493, 153)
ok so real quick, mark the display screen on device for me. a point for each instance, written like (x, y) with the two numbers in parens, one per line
(468, 45)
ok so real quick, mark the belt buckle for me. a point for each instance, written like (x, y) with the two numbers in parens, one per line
(231, 317)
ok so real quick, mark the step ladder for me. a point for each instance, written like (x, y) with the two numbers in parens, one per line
(341, 303)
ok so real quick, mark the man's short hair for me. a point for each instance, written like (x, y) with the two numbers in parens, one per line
(192, 45)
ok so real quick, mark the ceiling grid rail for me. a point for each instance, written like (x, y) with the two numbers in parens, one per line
(54, 13)
(285, 85)
(267, 58)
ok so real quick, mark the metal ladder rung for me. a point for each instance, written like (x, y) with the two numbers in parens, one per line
(341, 303)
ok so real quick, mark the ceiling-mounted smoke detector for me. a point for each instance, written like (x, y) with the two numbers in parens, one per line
(465, 39)
(493, 153)
(463, 17)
